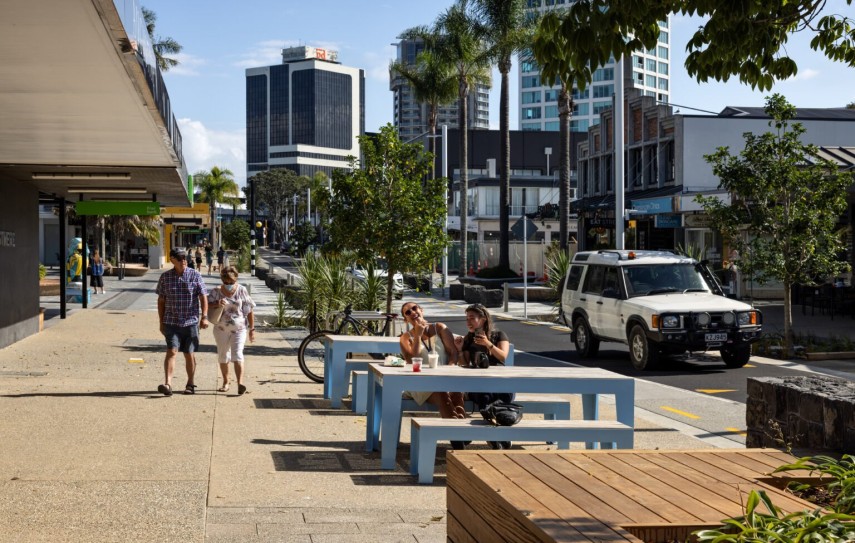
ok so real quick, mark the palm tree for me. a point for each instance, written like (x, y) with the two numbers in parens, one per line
(162, 46)
(454, 40)
(433, 83)
(216, 186)
(508, 29)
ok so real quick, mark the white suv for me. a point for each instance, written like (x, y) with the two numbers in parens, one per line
(656, 302)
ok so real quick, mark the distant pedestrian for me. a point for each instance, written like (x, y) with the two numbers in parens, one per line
(190, 260)
(221, 255)
(97, 272)
(198, 255)
(235, 323)
(209, 257)
(181, 295)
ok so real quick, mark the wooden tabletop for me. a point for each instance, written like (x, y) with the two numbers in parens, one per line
(616, 495)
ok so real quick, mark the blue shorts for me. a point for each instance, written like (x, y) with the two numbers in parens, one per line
(183, 338)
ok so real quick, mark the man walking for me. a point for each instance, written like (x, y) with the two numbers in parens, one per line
(181, 293)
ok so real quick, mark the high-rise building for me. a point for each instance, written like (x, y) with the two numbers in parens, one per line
(411, 117)
(304, 114)
(648, 71)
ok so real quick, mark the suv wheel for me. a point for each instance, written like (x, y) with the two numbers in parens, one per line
(642, 352)
(586, 344)
(736, 357)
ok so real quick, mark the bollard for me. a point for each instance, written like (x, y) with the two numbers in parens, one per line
(506, 296)
(248, 288)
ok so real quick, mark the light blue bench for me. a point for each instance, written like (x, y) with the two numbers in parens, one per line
(425, 432)
(359, 386)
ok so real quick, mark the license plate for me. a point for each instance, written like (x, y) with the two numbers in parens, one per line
(715, 338)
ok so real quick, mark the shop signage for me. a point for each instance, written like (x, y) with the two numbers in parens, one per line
(668, 220)
(697, 221)
(117, 208)
(7, 239)
(605, 222)
(654, 205)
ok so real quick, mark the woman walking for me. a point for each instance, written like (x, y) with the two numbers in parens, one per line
(235, 323)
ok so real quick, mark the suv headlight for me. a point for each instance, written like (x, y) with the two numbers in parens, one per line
(747, 318)
(670, 321)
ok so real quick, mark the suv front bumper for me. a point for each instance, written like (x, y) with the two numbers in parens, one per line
(706, 339)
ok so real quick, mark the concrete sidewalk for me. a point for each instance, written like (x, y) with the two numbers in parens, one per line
(92, 453)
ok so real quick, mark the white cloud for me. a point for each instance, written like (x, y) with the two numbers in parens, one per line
(377, 65)
(804, 75)
(188, 65)
(205, 148)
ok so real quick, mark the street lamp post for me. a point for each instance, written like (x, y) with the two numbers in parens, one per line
(619, 162)
(444, 136)
(251, 227)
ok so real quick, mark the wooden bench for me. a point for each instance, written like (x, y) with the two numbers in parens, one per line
(426, 432)
(359, 386)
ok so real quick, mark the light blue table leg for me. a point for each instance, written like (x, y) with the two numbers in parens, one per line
(327, 372)
(625, 406)
(590, 411)
(336, 377)
(390, 413)
(373, 411)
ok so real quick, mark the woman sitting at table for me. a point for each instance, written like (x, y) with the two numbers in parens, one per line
(421, 340)
(483, 342)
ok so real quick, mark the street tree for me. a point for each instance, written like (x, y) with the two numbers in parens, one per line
(275, 190)
(216, 186)
(236, 235)
(748, 42)
(388, 206)
(455, 40)
(508, 28)
(549, 49)
(162, 46)
(785, 203)
(432, 81)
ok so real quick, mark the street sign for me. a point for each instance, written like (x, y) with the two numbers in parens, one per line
(89, 207)
(524, 226)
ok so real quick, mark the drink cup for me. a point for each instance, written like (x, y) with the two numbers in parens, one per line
(433, 360)
(417, 363)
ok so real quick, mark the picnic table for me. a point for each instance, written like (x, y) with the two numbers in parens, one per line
(336, 378)
(386, 385)
(616, 495)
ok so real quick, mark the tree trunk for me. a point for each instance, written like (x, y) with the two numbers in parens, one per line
(788, 319)
(504, 168)
(464, 173)
(565, 111)
(390, 280)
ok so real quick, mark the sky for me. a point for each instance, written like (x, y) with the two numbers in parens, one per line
(222, 38)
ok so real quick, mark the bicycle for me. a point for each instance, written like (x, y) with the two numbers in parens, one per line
(310, 355)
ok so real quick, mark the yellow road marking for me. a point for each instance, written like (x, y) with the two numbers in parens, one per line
(136, 361)
(560, 328)
(737, 431)
(749, 366)
(678, 412)
(714, 390)
(531, 323)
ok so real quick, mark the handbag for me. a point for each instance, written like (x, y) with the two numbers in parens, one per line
(502, 413)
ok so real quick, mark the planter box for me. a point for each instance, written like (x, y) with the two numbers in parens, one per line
(456, 291)
(844, 355)
(472, 294)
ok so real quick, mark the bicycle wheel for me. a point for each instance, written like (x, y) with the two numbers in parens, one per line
(310, 355)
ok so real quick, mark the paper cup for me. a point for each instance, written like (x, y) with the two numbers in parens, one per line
(433, 360)
(417, 363)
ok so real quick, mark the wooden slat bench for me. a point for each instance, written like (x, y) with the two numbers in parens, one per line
(427, 431)
(623, 495)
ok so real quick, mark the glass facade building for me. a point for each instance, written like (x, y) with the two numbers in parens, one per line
(304, 114)
(647, 71)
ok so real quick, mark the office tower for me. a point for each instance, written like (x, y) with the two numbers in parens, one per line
(648, 71)
(411, 117)
(304, 114)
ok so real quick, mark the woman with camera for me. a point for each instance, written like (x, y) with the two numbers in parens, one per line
(482, 347)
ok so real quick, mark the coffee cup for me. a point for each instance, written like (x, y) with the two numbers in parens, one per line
(433, 360)
(417, 363)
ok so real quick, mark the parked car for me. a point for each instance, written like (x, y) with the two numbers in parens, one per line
(358, 273)
(656, 302)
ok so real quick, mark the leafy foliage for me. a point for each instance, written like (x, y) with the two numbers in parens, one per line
(785, 203)
(275, 190)
(236, 235)
(162, 46)
(304, 235)
(325, 288)
(748, 42)
(387, 207)
(215, 186)
(42, 271)
(759, 527)
(557, 264)
(842, 475)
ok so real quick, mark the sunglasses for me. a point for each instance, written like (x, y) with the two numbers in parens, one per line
(410, 310)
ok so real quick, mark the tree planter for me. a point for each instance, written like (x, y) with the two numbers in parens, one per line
(845, 355)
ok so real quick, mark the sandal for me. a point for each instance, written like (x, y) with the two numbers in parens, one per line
(190, 389)
(224, 388)
(241, 389)
(166, 390)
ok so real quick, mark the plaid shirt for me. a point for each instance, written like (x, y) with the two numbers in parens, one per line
(181, 294)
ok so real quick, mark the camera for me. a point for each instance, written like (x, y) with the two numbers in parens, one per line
(482, 360)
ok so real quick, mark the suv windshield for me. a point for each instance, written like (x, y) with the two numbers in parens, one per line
(662, 278)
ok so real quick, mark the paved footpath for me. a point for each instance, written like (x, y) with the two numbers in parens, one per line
(92, 453)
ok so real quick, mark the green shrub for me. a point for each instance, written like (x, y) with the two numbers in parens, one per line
(42, 271)
(840, 472)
